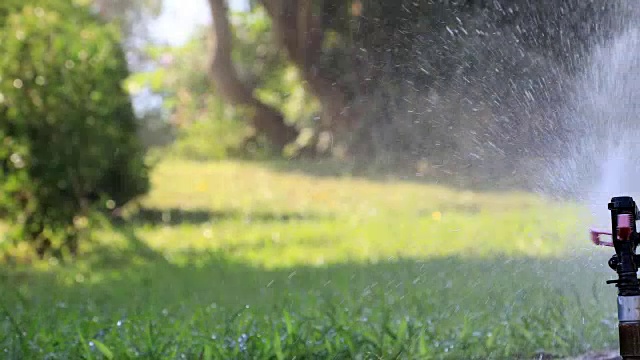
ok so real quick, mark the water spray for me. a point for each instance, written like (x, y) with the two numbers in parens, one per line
(624, 214)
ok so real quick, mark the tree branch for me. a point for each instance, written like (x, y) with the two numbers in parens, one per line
(266, 120)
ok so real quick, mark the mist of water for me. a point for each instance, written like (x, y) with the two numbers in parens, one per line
(604, 160)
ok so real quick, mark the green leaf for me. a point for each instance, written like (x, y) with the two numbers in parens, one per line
(207, 353)
(277, 344)
(104, 350)
(85, 345)
(288, 323)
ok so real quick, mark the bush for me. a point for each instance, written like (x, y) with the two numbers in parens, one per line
(216, 132)
(67, 127)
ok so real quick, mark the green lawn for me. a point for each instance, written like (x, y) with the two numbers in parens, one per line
(236, 260)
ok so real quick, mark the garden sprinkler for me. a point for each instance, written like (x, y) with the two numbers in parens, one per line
(625, 239)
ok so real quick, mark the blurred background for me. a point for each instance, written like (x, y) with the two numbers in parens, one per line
(311, 179)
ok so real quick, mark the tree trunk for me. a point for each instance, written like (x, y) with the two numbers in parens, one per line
(301, 34)
(265, 119)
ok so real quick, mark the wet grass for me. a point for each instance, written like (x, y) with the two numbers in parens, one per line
(236, 261)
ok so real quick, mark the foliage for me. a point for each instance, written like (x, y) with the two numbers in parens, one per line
(470, 86)
(66, 124)
(203, 126)
(9, 7)
(207, 127)
(217, 133)
(262, 64)
(282, 265)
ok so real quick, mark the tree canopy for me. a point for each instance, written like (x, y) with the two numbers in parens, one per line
(450, 81)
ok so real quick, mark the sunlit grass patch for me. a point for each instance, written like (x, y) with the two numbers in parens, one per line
(369, 237)
(249, 186)
(351, 219)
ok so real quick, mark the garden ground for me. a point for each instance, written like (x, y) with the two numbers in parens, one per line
(244, 260)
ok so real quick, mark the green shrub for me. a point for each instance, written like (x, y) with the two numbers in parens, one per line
(213, 134)
(67, 126)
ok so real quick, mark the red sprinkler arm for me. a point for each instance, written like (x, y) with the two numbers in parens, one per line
(595, 237)
(624, 230)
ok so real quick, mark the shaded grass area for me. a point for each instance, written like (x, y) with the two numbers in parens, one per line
(177, 216)
(232, 260)
(140, 305)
